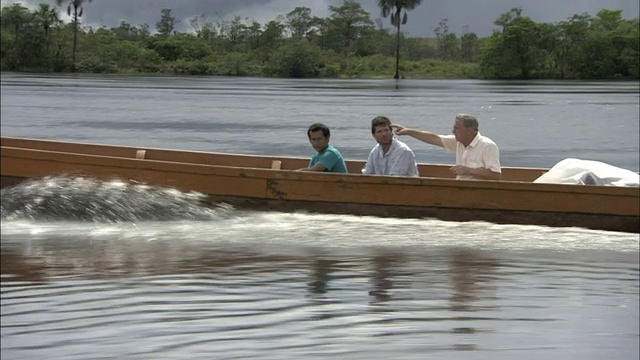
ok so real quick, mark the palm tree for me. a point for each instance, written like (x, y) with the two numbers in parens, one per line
(47, 17)
(394, 8)
(76, 5)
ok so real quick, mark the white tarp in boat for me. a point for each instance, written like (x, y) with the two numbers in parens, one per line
(588, 172)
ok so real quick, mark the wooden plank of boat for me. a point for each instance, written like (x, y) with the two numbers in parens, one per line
(599, 207)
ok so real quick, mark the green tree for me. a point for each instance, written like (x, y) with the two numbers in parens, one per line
(447, 42)
(514, 51)
(16, 17)
(607, 20)
(181, 46)
(347, 43)
(128, 32)
(468, 45)
(237, 30)
(550, 46)
(612, 44)
(204, 28)
(22, 42)
(566, 46)
(105, 52)
(348, 23)
(394, 8)
(78, 10)
(272, 35)
(626, 39)
(318, 30)
(167, 23)
(47, 17)
(296, 59)
(299, 21)
(254, 31)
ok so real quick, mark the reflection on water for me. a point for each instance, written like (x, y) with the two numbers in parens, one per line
(381, 278)
(269, 297)
(470, 275)
(321, 270)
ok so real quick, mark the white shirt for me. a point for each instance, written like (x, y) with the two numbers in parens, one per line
(481, 153)
(399, 160)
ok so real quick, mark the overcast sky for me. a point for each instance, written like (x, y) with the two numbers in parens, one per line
(478, 15)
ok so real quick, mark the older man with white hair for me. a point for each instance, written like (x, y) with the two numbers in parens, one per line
(477, 156)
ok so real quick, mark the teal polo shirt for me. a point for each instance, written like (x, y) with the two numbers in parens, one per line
(331, 159)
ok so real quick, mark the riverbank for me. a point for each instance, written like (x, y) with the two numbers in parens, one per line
(372, 67)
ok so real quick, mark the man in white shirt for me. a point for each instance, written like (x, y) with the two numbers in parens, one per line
(390, 156)
(477, 156)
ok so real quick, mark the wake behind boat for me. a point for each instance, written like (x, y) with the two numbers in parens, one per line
(269, 183)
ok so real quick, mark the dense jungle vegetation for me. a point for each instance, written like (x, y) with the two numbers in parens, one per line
(348, 43)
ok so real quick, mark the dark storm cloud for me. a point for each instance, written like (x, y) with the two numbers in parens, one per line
(111, 12)
(478, 15)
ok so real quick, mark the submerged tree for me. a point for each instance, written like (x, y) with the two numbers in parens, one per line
(394, 8)
(78, 10)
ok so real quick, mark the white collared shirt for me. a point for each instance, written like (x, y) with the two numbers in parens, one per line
(481, 153)
(399, 161)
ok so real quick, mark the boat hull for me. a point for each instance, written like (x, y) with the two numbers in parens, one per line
(503, 202)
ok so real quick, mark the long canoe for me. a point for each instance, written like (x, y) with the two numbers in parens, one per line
(268, 182)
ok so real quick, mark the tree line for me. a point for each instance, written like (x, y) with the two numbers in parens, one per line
(347, 43)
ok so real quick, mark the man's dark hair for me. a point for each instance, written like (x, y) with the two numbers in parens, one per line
(379, 120)
(319, 127)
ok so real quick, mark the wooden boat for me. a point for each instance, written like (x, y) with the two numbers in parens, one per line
(268, 182)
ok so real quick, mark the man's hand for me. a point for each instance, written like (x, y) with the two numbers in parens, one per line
(462, 170)
(426, 136)
(399, 129)
(479, 173)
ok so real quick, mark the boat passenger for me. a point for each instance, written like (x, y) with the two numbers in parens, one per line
(390, 156)
(477, 156)
(327, 158)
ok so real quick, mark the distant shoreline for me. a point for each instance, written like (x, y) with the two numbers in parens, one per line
(366, 77)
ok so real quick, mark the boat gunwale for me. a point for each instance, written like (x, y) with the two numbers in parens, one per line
(211, 153)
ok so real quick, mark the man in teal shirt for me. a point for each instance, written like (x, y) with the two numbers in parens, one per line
(327, 158)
